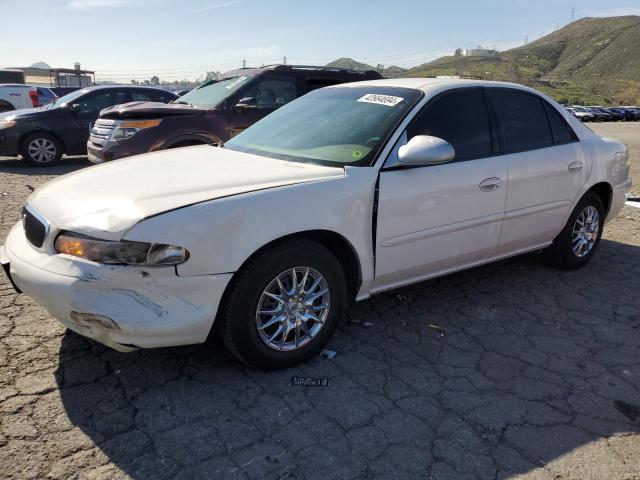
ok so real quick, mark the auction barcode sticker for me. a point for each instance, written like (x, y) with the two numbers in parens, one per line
(235, 83)
(388, 100)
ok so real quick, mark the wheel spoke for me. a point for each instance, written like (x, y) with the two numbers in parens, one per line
(317, 308)
(294, 282)
(312, 298)
(314, 285)
(276, 333)
(311, 316)
(303, 282)
(273, 321)
(277, 298)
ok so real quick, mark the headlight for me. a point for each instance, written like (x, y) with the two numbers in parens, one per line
(120, 253)
(7, 123)
(129, 128)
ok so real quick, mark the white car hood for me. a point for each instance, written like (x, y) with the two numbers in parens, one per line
(106, 200)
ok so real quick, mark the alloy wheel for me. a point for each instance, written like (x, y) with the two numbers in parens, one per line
(585, 231)
(293, 309)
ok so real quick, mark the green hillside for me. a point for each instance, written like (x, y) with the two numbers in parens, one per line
(391, 71)
(590, 61)
(350, 63)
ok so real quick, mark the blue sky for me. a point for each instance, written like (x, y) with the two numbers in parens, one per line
(125, 39)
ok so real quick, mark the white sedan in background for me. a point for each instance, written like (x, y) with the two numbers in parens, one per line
(346, 192)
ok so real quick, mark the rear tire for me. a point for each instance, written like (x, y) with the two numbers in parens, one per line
(579, 239)
(264, 298)
(41, 149)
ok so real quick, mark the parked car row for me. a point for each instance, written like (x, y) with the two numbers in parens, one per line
(346, 192)
(117, 121)
(604, 114)
(41, 135)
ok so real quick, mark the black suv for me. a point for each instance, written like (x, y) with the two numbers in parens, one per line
(211, 113)
(41, 135)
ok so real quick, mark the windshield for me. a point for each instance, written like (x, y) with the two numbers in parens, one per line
(213, 93)
(338, 125)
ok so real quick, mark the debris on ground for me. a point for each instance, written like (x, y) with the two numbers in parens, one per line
(309, 381)
(441, 332)
(328, 354)
(362, 324)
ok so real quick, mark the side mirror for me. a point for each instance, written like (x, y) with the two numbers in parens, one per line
(426, 150)
(75, 108)
(247, 102)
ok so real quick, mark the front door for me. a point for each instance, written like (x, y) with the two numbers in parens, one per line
(87, 112)
(433, 219)
(266, 95)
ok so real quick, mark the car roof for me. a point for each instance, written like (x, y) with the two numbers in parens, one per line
(431, 84)
(115, 85)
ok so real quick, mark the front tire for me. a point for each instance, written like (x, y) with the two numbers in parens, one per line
(41, 149)
(579, 240)
(284, 305)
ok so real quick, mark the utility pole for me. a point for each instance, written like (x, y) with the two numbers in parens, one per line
(244, 63)
(284, 60)
(573, 13)
(526, 39)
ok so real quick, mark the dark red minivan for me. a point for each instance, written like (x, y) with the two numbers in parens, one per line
(211, 113)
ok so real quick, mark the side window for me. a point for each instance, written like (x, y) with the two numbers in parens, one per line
(523, 120)
(151, 96)
(315, 83)
(138, 96)
(99, 100)
(460, 118)
(272, 92)
(562, 132)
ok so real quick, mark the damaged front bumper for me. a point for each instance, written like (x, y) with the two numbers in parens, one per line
(124, 307)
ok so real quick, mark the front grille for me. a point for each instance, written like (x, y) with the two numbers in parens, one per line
(34, 229)
(102, 131)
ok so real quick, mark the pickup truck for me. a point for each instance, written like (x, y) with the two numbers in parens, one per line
(16, 97)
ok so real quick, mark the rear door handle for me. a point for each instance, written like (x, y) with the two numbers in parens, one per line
(573, 166)
(490, 184)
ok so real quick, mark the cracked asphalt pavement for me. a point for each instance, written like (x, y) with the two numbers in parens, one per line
(511, 370)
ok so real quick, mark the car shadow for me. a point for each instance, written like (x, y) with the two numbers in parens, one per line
(488, 373)
(16, 166)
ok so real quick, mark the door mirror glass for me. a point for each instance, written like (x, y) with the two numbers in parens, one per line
(247, 102)
(425, 150)
(75, 107)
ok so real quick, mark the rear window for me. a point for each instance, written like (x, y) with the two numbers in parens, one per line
(522, 119)
(562, 133)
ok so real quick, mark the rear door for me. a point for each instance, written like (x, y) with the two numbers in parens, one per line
(432, 219)
(547, 168)
(269, 92)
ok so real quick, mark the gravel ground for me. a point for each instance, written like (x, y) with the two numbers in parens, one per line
(532, 373)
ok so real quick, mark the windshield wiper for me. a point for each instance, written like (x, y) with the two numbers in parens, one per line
(183, 102)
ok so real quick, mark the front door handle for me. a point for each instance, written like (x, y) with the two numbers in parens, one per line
(490, 184)
(573, 166)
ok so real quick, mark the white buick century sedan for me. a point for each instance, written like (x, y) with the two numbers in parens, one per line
(346, 192)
